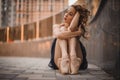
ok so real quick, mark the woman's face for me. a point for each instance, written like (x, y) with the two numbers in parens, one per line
(69, 15)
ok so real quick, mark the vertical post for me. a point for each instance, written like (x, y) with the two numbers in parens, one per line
(41, 9)
(8, 34)
(53, 12)
(22, 33)
(29, 11)
(12, 13)
(37, 23)
(17, 13)
(22, 21)
(37, 10)
(37, 29)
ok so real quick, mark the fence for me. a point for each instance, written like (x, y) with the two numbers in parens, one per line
(39, 29)
(35, 30)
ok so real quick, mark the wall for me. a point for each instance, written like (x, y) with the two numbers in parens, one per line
(103, 48)
(35, 48)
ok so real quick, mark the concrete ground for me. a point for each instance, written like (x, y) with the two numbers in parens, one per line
(19, 68)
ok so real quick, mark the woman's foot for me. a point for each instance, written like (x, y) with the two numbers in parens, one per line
(64, 65)
(75, 64)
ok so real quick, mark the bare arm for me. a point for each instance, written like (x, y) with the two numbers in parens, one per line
(65, 34)
(74, 23)
(68, 34)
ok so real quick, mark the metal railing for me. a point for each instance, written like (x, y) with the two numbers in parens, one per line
(39, 29)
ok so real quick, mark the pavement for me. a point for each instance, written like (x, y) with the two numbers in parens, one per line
(23, 68)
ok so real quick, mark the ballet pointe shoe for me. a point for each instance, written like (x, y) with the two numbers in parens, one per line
(64, 65)
(75, 64)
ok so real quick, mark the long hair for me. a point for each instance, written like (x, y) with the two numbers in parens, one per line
(84, 14)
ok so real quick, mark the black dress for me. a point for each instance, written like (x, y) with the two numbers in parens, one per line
(52, 64)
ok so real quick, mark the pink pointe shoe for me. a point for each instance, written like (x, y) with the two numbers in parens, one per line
(75, 64)
(64, 65)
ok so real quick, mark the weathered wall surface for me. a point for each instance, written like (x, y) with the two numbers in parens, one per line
(40, 48)
(103, 48)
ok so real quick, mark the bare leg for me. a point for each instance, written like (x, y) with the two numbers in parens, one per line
(75, 60)
(58, 52)
(63, 46)
(72, 47)
(63, 62)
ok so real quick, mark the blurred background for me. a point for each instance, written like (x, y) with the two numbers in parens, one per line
(26, 29)
(31, 19)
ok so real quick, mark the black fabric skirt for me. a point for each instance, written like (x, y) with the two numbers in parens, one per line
(52, 64)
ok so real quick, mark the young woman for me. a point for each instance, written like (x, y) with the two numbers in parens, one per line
(67, 53)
